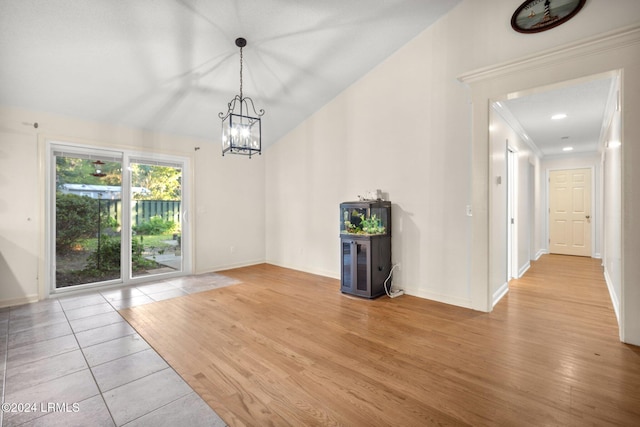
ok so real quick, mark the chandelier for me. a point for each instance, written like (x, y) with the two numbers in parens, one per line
(241, 129)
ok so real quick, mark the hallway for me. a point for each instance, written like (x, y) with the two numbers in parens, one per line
(568, 293)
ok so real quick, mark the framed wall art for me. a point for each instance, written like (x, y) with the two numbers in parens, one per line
(534, 16)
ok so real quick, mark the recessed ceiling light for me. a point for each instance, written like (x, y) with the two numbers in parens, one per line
(567, 149)
(559, 116)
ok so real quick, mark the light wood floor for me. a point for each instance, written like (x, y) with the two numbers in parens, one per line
(287, 348)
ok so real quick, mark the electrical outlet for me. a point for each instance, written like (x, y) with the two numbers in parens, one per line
(398, 266)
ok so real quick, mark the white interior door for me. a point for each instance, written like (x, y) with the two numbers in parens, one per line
(570, 212)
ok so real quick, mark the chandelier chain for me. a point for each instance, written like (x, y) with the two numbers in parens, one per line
(240, 73)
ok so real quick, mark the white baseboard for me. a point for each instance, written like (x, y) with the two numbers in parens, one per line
(433, 296)
(18, 301)
(524, 269)
(499, 293)
(446, 299)
(540, 253)
(317, 271)
(612, 294)
(221, 267)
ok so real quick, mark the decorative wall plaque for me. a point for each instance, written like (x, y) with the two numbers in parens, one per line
(534, 16)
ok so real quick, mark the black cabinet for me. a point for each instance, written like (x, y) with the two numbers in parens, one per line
(365, 239)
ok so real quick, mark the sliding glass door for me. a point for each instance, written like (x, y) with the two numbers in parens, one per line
(88, 212)
(156, 212)
(111, 227)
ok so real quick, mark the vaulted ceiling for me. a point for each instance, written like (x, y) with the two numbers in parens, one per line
(172, 65)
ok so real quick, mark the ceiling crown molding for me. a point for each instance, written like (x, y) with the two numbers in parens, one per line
(603, 42)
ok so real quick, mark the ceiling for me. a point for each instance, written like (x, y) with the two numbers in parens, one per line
(584, 105)
(172, 65)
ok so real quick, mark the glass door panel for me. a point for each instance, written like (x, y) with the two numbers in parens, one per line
(362, 263)
(88, 211)
(156, 217)
(347, 285)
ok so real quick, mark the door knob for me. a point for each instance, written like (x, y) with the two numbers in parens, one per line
(588, 216)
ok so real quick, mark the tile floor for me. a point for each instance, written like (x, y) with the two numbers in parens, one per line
(74, 361)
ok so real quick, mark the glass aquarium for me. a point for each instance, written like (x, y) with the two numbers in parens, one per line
(367, 218)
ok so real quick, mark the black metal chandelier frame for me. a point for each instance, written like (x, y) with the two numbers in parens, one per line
(241, 132)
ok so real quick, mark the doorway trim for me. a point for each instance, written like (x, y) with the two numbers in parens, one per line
(47, 287)
(608, 53)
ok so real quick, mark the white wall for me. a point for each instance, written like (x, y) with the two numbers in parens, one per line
(500, 134)
(539, 245)
(20, 236)
(227, 193)
(630, 95)
(612, 212)
(406, 128)
(503, 137)
(385, 132)
(526, 225)
(229, 209)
